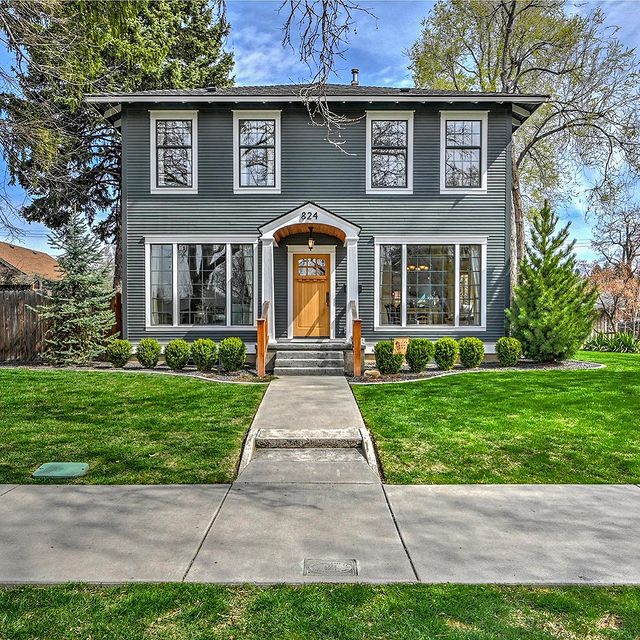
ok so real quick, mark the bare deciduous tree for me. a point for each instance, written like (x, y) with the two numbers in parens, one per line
(318, 30)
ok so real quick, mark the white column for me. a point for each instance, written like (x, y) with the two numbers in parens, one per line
(267, 282)
(352, 280)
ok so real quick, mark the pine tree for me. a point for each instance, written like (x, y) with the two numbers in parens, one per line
(553, 307)
(78, 306)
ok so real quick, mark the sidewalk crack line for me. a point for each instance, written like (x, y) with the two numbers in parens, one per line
(395, 523)
(206, 533)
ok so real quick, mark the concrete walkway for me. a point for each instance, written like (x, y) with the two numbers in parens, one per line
(266, 533)
(308, 429)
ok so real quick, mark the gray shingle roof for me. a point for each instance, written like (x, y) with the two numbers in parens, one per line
(295, 90)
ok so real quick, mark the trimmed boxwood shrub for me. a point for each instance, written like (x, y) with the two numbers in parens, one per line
(471, 352)
(233, 354)
(419, 354)
(204, 353)
(176, 354)
(446, 353)
(118, 352)
(148, 352)
(508, 351)
(387, 361)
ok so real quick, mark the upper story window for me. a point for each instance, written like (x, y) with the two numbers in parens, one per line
(174, 151)
(256, 151)
(389, 152)
(463, 152)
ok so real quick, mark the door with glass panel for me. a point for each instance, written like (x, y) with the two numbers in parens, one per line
(311, 296)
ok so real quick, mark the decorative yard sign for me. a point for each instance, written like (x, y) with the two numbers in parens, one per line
(400, 345)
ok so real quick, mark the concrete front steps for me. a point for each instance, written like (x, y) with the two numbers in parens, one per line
(313, 359)
(311, 455)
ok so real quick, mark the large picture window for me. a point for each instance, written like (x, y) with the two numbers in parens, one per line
(174, 151)
(201, 284)
(256, 151)
(430, 284)
(389, 152)
(463, 156)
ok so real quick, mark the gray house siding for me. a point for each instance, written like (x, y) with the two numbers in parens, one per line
(314, 170)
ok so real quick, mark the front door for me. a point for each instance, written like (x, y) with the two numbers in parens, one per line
(311, 295)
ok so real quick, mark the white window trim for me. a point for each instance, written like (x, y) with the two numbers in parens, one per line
(318, 249)
(432, 328)
(173, 115)
(255, 115)
(483, 116)
(390, 115)
(175, 241)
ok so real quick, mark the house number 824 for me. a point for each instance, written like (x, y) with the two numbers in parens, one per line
(308, 215)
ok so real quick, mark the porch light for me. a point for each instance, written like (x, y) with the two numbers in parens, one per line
(311, 241)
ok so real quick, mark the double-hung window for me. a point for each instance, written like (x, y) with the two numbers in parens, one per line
(430, 282)
(463, 152)
(256, 151)
(208, 283)
(389, 152)
(174, 151)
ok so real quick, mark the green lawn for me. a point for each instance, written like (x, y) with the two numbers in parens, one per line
(579, 426)
(343, 612)
(130, 428)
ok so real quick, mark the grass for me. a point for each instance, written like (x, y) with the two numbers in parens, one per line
(199, 612)
(130, 428)
(577, 426)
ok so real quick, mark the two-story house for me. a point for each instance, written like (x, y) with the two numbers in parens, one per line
(233, 198)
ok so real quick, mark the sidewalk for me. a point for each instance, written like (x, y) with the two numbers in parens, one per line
(264, 533)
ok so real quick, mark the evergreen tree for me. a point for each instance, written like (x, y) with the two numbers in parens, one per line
(553, 307)
(79, 304)
(60, 149)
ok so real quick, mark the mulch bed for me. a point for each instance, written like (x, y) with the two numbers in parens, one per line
(246, 375)
(432, 370)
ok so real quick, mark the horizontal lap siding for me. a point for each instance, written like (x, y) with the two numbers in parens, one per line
(314, 170)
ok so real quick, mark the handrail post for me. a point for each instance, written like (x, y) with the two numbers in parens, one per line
(261, 355)
(262, 341)
(357, 347)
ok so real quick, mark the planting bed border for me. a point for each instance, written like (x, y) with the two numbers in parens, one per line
(433, 372)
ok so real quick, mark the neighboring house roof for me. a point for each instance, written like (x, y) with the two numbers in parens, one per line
(29, 261)
(523, 104)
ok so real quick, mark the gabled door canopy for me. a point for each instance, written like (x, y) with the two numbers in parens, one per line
(309, 214)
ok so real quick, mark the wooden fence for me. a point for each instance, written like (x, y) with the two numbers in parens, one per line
(21, 329)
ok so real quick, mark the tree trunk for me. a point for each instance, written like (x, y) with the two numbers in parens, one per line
(517, 223)
(117, 257)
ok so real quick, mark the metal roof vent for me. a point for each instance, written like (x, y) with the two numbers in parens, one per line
(354, 77)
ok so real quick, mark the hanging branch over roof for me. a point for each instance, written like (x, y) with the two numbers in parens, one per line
(319, 31)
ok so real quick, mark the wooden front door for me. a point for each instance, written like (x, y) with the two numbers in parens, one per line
(311, 295)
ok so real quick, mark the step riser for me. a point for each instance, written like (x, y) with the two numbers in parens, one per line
(308, 443)
(311, 355)
(321, 364)
(308, 439)
(307, 371)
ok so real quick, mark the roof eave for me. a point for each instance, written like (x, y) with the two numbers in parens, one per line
(138, 98)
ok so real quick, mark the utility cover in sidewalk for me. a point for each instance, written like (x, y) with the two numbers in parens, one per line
(314, 567)
(61, 470)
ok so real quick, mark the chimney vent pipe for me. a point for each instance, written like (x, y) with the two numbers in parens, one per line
(354, 77)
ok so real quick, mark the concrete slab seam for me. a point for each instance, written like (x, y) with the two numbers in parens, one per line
(4, 493)
(206, 533)
(395, 524)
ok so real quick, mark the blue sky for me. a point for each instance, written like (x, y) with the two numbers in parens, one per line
(377, 47)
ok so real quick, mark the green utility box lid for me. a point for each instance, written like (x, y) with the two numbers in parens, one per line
(61, 470)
